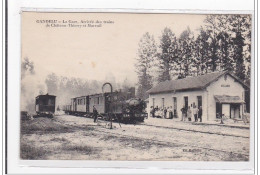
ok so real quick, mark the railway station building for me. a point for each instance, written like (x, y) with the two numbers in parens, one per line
(218, 93)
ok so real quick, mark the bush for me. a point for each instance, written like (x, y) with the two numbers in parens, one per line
(30, 152)
(43, 125)
(79, 148)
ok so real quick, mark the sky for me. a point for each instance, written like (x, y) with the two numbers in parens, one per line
(94, 53)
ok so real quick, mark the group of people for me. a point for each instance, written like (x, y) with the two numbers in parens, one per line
(191, 112)
(165, 112)
(187, 113)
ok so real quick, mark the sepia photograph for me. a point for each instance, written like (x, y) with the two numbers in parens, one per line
(135, 86)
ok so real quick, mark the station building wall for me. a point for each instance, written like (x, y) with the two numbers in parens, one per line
(223, 86)
(169, 100)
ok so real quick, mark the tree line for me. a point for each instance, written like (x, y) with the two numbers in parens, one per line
(64, 88)
(223, 42)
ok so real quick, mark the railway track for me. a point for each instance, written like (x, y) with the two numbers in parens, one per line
(101, 129)
(170, 144)
(192, 130)
(179, 129)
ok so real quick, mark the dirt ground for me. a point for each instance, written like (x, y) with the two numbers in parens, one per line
(77, 138)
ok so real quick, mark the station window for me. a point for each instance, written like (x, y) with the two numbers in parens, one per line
(175, 103)
(186, 102)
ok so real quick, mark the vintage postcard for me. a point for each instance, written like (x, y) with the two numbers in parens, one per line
(135, 86)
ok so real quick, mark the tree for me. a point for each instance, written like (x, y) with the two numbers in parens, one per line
(211, 22)
(52, 82)
(186, 52)
(224, 51)
(27, 67)
(126, 85)
(168, 54)
(146, 55)
(200, 61)
(240, 26)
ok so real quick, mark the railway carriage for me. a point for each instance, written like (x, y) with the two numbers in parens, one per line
(81, 105)
(45, 105)
(118, 105)
(99, 101)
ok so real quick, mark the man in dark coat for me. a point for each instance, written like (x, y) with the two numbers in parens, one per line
(95, 114)
(164, 112)
(152, 111)
(183, 112)
(200, 113)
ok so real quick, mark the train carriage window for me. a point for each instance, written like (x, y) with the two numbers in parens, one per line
(98, 100)
(50, 102)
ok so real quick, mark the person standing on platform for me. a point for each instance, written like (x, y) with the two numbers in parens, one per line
(200, 113)
(170, 113)
(189, 114)
(152, 111)
(164, 112)
(195, 113)
(95, 114)
(183, 113)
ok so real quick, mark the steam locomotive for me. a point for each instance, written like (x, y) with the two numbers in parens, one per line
(118, 105)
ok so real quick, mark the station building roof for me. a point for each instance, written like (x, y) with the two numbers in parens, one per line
(190, 83)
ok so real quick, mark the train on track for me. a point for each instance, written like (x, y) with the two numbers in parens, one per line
(45, 105)
(117, 106)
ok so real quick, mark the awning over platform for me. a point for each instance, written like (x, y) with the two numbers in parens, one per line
(228, 99)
